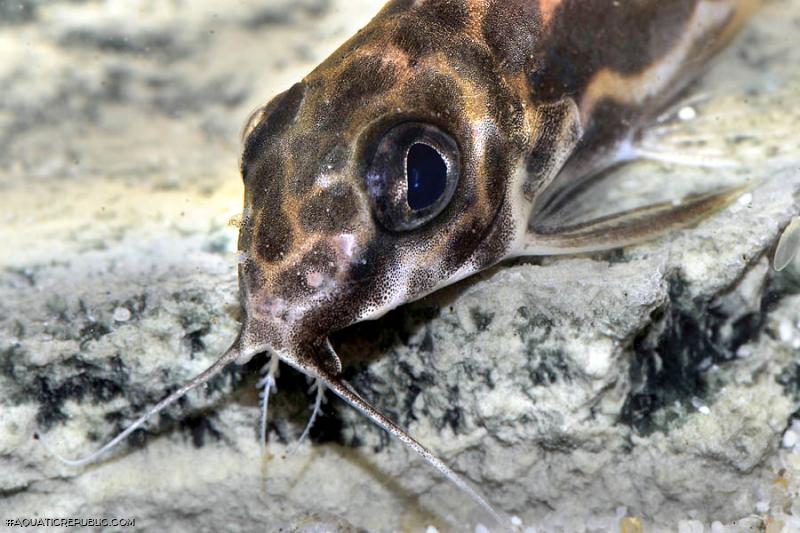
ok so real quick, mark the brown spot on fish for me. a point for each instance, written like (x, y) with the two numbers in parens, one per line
(363, 77)
(430, 27)
(306, 171)
(452, 15)
(330, 210)
(461, 244)
(434, 91)
(416, 42)
(511, 29)
(397, 6)
(278, 115)
(274, 237)
(264, 178)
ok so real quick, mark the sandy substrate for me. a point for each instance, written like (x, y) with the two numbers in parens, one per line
(657, 386)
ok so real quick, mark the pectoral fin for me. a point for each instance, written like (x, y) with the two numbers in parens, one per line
(626, 228)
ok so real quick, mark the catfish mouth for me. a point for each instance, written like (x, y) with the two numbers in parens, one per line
(278, 329)
(316, 359)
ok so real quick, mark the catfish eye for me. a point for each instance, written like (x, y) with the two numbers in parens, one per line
(413, 175)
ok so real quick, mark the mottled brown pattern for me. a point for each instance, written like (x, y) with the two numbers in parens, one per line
(362, 78)
(276, 117)
(274, 238)
(294, 281)
(453, 15)
(586, 36)
(331, 210)
(489, 73)
(511, 30)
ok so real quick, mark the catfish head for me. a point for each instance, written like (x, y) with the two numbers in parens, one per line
(393, 169)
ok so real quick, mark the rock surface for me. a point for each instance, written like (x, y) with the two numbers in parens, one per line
(660, 383)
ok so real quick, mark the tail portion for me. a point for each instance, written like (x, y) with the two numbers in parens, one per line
(346, 392)
(227, 358)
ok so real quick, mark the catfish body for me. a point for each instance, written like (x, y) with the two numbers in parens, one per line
(532, 97)
(442, 139)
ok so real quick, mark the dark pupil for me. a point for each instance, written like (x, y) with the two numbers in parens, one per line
(427, 176)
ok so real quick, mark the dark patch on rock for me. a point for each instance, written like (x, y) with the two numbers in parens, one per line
(137, 440)
(531, 322)
(396, 399)
(475, 372)
(672, 356)
(18, 11)
(27, 274)
(547, 367)
(427, 344)
(199, 427)
(194, 340)
(91, 332)
(412, 383)
(481, 319)
(161, 45)
(452, 417)
(135, 304)
(88, 381)
(544, 366)
(286, 14)
(454, 414)
(789, 378)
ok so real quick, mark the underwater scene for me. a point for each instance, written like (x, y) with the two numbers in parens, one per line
(417, 266)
